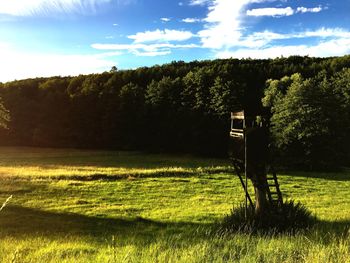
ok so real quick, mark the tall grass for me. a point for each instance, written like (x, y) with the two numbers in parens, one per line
(91, 206)
(5, 203)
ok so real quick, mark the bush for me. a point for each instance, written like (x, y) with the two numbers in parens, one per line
(291, 217)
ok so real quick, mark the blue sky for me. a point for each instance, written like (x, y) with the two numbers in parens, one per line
(71, 37)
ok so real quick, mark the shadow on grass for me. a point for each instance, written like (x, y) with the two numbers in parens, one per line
(157, 174)
(337, 228)
(17, 221)
(21, 221)
(23, 156)
(109, 177)
(333, 176)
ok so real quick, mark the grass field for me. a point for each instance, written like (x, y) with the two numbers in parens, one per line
(99, 206)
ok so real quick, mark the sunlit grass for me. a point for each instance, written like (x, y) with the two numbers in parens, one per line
(100, 206)
(94, 172)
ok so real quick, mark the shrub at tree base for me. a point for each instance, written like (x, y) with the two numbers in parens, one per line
(291, 217)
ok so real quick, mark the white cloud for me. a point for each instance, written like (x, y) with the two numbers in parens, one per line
(223, 33)
(276, 12)
(150, 47)
(222, 26)
(223, 23)
(263, 53)
(44, 7)
(144, 49)
(191, 20)
(161, 35)
(325, 33)
(268, 36)
(151, 53)
(165, 19)
(329, 42)
(19, 65)
(334, 47)
(265, 38)
(199, 2)
(309, 10)
(260, 39)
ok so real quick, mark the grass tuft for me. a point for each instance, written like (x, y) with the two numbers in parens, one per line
(291, 218)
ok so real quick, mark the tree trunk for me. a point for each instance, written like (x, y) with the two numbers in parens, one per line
(261, 205)
(259, 181)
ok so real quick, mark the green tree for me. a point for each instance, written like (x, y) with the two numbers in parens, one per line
(340, 84)
(4, 115)
(164, 113)
(225, 97)
(131, 116)
(195, 95)
(307, 123)
(52, 125)
(164, 94)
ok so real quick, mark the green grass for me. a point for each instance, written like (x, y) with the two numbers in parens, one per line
(100, 206)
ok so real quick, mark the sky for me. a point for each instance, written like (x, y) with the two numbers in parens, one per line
(41, 38)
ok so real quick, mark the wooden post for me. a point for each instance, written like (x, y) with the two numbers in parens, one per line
(245, 167)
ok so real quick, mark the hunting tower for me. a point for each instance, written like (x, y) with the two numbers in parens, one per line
(249, 153)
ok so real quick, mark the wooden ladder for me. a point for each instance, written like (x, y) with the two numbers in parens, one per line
(274, 196)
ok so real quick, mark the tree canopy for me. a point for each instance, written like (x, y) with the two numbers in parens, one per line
(310, 118)
(183, 107)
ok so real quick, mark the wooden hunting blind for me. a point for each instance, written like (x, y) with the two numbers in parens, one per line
(248, 135)
(249, 153)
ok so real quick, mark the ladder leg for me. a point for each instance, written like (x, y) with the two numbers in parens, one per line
(243, 184)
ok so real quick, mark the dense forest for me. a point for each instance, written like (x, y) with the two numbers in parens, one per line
(184, 107)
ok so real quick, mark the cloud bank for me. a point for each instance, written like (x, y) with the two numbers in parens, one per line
(145, 50)
(19, 65)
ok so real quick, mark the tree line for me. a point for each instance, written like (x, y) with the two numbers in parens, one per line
(181, 107)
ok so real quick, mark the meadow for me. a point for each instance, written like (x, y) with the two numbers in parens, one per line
(106, 206)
